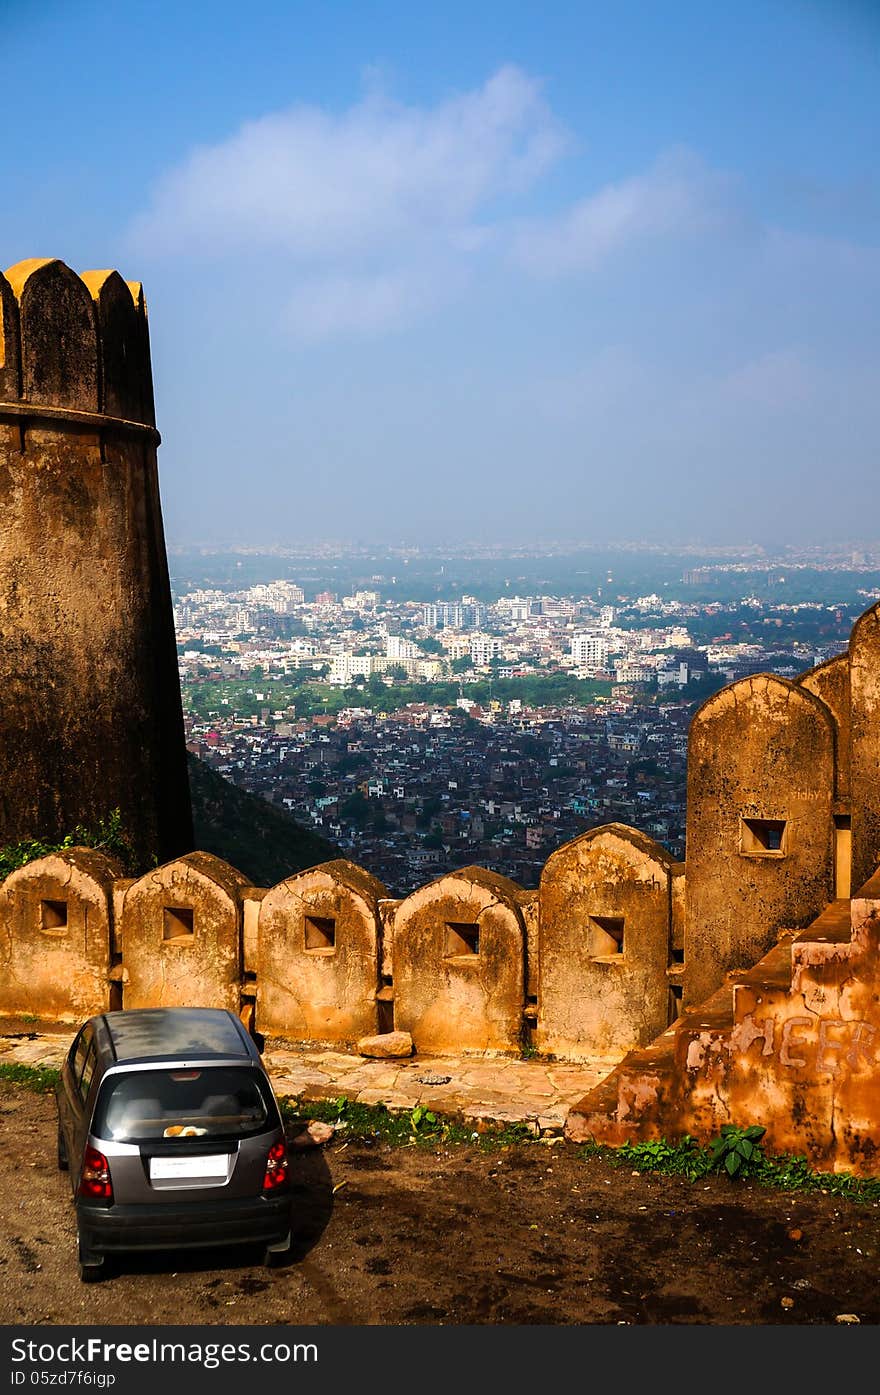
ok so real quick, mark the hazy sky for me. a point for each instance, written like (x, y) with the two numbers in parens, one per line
(591, 270)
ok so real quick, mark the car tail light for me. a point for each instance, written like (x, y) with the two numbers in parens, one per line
(94, 1180)
(277, 1175)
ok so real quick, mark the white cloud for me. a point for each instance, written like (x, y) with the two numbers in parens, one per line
(313, 183)
(678, 195)
(334, 306)
(360, 222)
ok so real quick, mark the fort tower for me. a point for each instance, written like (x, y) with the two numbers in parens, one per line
(90, 711)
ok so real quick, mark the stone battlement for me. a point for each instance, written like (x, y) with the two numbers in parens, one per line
(74, 345)
(470, 962)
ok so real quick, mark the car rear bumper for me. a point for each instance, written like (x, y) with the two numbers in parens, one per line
(252, 1220)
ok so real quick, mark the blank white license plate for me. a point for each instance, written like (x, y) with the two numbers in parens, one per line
(215, 1165)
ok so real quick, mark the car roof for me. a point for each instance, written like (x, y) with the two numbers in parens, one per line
(138, 1034)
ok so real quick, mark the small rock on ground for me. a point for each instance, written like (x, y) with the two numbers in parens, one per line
(314, 1135)
(386, 1045)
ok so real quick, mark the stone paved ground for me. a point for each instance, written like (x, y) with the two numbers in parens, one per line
(498, 1088)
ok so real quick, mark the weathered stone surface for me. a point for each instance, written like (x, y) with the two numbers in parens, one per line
(830, 682)
(792, 1043)
(605, 940)
(387, 1044)
(459, 964)
(864, 660)
(319, 950)
(90, 711)
(760, 757)
(56, 935)
(182, 931)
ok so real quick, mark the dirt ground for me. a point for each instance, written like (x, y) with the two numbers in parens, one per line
(432, 1235)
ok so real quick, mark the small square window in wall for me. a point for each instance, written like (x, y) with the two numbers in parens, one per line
(762, 837)
(53, 916)
(607, 935)
(320, 932)
(461, 939)
(178, 924)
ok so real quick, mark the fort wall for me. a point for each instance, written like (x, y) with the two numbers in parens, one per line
(864, 667)
(327, 957)
(605, 942)
(792, 1044)
(760, 841)
(90, 712)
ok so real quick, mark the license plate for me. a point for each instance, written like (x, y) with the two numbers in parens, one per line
(215, 1165)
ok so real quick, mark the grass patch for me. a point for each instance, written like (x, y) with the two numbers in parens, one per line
(691, 1160)
(401, 1128)
(39, 1079)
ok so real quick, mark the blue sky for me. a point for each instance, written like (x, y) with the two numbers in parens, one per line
(477, 271)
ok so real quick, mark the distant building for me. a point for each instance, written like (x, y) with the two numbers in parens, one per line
(456, 615)
(484, 648)
(398, 648)
(361, 600)
(589, 651)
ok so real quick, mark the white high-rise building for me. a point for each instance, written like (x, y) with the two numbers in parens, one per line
(589, 651)
(484, 648)
(398, 648)
(458, 615)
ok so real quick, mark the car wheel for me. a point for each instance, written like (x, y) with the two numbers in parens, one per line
(62, 1150)
(91, 1273)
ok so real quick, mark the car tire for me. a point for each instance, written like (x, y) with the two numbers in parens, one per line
(90, 1273)
(63, 1163)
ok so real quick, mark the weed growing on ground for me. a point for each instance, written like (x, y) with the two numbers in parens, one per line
(402, 1127)
(735, 1153)
(39, 1079)
(737, 1150)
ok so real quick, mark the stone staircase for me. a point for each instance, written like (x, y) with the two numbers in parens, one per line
(792, 1043)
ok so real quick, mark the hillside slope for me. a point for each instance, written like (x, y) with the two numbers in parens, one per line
(263, 842)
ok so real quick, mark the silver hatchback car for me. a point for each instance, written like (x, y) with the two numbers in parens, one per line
(169, 1127)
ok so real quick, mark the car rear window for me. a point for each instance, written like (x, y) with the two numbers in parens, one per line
(203, 1102)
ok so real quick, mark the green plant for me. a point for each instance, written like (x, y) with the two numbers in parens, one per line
(737, 1150)
(40, 1079)
(401, 1128)
(423, 1121)
(685, 1158)
(108, 835)
(782, 1171)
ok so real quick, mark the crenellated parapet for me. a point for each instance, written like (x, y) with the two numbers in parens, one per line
(325, 956)
(75, 348)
